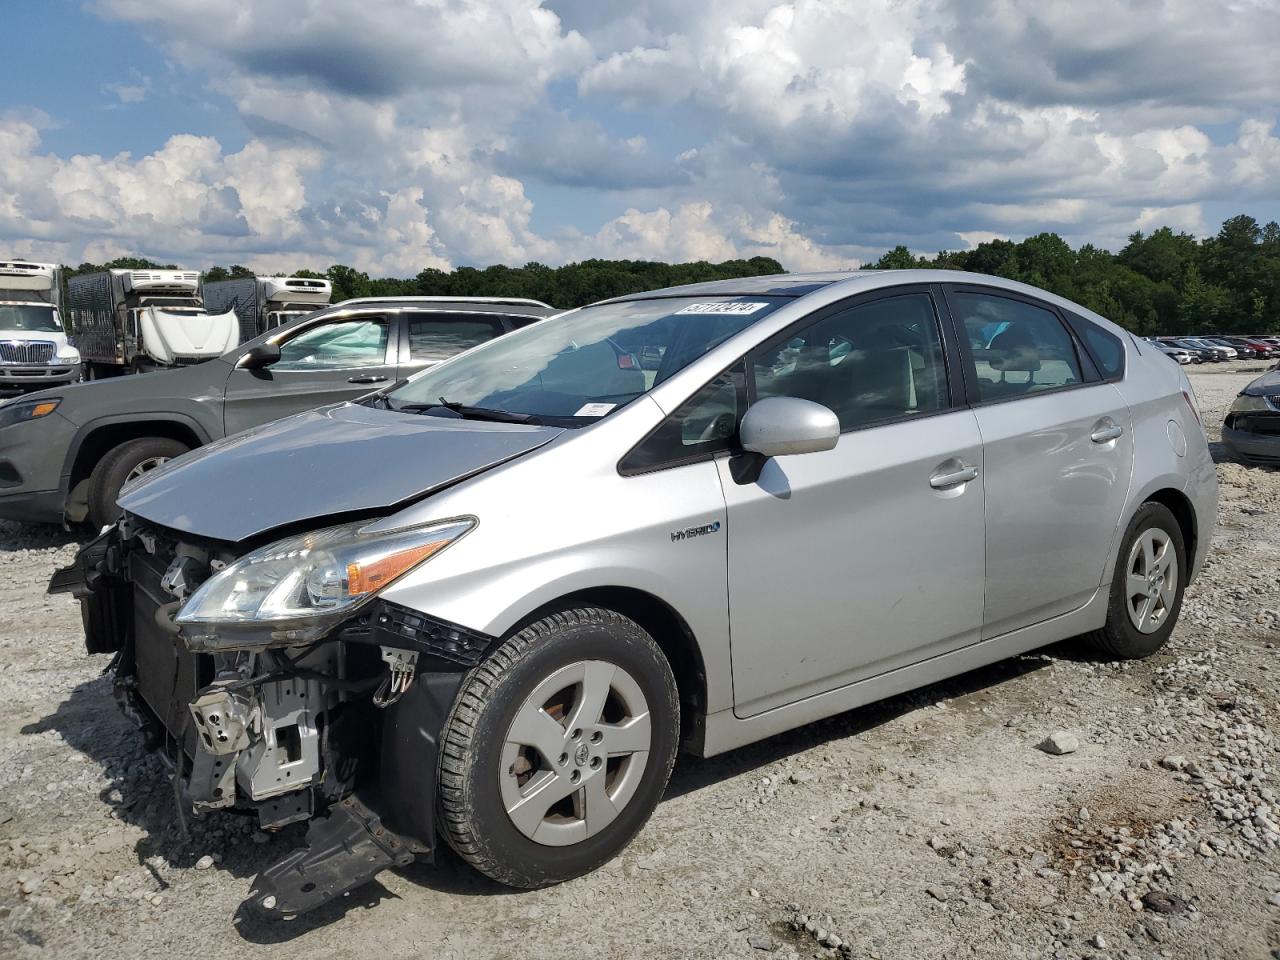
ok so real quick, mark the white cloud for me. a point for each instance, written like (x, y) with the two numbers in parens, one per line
(406, 133)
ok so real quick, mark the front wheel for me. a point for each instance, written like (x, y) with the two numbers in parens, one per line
(558, 748)
(1146, 590)
(127, 462)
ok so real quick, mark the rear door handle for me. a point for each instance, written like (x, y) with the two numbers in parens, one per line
(953, 478)
(1106, 432)
(367, 380)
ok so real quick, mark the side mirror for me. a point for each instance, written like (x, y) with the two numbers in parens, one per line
(263, 355)
(779, 426)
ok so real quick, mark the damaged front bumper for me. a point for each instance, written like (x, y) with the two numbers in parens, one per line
(342, 732)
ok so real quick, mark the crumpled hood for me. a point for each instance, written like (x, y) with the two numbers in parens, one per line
(167, 336)
(1267, 385)
(311, 466)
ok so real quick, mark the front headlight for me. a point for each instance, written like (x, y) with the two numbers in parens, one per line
(68, 355)
(19, 411)
(297, 588)
(1250, 404)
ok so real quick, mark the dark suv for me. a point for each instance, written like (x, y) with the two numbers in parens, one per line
(66, 452)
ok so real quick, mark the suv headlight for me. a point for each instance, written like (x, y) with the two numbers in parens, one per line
(19, 411)
(295, 589)
(1250, 404)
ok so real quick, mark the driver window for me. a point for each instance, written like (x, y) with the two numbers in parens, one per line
(353, 342)
(877, 361)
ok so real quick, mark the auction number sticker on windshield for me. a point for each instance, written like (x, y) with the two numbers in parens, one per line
(720, 306)
(594, 409)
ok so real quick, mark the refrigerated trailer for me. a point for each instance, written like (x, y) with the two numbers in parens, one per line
(264, 303)
(130, 321)
(34, 350)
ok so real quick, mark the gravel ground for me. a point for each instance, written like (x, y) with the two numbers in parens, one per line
(927, 826)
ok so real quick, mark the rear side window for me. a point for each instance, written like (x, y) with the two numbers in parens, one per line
(434, 337)
(1018, 348)
(1107, 350)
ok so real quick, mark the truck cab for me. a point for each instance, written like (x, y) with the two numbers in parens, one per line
(34, 351)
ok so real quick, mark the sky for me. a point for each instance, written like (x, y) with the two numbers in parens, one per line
(393, 135)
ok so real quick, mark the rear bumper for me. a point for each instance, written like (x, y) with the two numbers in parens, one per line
(1252, 447)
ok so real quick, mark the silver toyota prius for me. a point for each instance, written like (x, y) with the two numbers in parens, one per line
(490, 603)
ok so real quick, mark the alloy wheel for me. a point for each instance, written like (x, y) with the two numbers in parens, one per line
(1151, 587)
(575, 753)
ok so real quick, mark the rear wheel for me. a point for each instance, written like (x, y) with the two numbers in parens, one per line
(1146, 590)
(127, 462)
(558, 748)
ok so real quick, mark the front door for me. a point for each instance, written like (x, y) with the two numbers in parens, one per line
(327, 362)
(867, 557)
(1058, 447)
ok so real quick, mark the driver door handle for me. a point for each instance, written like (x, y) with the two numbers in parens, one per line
(367, 379)
(1106, 431)
(940, 481)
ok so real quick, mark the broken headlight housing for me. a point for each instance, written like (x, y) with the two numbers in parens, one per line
(296, 589)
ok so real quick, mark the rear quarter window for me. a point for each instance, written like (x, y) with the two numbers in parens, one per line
(1106, 349)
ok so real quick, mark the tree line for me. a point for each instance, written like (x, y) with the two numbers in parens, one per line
(1159, 283)
(1163, 282)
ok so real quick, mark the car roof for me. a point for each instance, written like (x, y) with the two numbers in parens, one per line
(775, 285)
(512, 305)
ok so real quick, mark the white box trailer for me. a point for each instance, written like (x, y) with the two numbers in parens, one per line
(34, 350)
(264, 303)
(129, 321)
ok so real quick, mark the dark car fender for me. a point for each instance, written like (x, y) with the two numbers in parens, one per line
(89, 428)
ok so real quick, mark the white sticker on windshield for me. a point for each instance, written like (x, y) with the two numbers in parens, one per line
(594, 409)
(732, 307)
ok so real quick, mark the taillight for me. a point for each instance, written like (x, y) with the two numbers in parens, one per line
(626, 361)
(1191, 403)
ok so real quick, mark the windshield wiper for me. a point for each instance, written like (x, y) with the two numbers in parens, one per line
(470, 413)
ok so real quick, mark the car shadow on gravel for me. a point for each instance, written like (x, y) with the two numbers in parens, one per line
(16, 536)
(139, 792)
(692, 773)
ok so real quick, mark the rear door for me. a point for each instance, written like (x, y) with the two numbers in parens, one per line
(1057, 453)
(335, 359)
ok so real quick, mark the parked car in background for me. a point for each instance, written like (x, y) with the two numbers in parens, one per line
(1203, 351)
(1251, 431)
(1179, 355)
(65, 453)
(1257, 349)
(552, 567)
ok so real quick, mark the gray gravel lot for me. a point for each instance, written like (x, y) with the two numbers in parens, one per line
(927, 826)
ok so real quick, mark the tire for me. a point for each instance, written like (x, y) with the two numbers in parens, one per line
(481, 766)
(113, 469)
(1122, 638)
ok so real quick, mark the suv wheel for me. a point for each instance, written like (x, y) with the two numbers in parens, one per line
(126, 462)
(1146, 590)
(575, 720)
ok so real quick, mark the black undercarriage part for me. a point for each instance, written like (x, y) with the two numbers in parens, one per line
(345, 849)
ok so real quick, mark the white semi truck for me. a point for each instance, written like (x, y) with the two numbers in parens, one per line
(264, 303)
(34, 352)
(131, 321)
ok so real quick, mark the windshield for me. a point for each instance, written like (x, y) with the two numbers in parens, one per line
(573, 369)
(35, 317)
